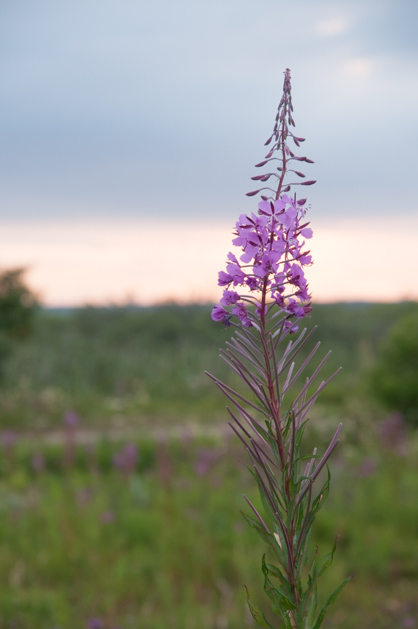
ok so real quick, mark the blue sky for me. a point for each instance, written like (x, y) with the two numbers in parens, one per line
(121, 119)
(130, 109)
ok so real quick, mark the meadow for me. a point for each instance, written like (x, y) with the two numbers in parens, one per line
(121, 485)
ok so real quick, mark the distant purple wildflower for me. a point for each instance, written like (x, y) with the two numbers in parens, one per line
(71, 419)
(8, 438)
(367, 467)
(38, 462)
(127, 458)
(95, 623)
(392, 434)
(107, 517)
(206, 458)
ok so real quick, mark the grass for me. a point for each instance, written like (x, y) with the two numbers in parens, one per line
(160, 544)
(164, 546)
(128, 366)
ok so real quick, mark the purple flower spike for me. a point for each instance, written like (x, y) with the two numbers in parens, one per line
(265, 295)
(271, 242)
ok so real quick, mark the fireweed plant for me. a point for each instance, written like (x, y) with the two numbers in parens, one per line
(274, 297)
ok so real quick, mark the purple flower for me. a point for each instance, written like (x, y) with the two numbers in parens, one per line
(234, 270)
(220, 314)
(306, 232)
(289, 218)
(229, 298)
(292, 327)
(224, 279)
(252, 283)
(242, 313)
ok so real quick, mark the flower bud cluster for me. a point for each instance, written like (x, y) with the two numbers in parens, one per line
(272, 262)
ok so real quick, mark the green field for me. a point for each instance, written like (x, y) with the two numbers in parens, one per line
(130, 513)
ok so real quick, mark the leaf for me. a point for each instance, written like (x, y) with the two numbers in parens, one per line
(311, 608)
(264, 500)
(257, 526)
(256, 613)
(329, 602)
(281, 600)
(318, 568)
(277, 573)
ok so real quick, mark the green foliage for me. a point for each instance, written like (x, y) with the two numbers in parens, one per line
(17, 307)
(394, 379)
(177, 555)
(142, 368)
(133, 363)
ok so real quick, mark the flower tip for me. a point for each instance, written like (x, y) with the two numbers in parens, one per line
(252, 193)
(308, 183)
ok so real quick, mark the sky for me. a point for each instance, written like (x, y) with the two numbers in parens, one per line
(129, 133)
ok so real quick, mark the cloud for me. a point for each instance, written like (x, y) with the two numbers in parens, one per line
(331, 27)
(360, 67)
(132, 108)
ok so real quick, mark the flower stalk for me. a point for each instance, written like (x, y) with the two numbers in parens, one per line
(274, 297)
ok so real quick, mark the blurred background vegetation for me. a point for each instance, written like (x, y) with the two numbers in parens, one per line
(120, 485)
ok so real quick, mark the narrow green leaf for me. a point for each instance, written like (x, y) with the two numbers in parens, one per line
(256, 613)
(329, 602)
(281, 601)
(278, 574)
(311, 608)
(255, 524)
(285, 588)
(265, 502)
